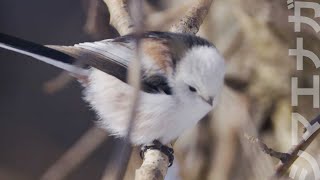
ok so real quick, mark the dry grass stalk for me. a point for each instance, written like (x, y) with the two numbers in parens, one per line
(124, 23)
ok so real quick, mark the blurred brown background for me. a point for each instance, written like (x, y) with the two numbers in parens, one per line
(36, 128)
(254, 36)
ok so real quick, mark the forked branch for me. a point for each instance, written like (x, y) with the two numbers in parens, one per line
(287, 159)
(294, 152)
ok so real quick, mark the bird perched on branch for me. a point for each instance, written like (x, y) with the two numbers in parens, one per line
(181, 78)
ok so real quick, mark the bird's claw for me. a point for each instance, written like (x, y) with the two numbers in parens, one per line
(157, 145)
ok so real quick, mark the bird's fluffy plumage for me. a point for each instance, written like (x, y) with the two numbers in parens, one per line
(182, 76)
(160, 115)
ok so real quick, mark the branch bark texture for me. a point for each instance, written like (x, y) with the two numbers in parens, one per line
(119, 16)
(192, 20)
(154, 166)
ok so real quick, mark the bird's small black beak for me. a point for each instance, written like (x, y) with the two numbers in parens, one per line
(209, 100)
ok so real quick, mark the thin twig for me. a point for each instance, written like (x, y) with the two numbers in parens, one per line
(287, 159)
(293, 153)
(134, 78)
(124, 23)
(279, 155)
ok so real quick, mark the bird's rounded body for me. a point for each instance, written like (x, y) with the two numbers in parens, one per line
(182, 77)
(158, 116)
(164, 112)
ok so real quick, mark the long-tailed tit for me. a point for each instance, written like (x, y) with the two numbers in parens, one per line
(182, 77)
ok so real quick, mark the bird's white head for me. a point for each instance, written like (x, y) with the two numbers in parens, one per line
(199, 76)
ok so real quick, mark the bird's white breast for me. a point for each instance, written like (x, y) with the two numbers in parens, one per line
(158, 116)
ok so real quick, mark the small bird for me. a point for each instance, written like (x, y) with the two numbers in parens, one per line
(181, 78)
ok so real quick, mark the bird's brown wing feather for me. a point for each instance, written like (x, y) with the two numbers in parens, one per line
(113, 57)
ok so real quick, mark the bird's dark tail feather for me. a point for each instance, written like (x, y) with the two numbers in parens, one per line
(42, 53)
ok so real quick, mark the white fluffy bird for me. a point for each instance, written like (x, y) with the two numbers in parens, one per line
(182, 77)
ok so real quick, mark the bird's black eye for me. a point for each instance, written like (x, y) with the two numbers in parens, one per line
(192, 89)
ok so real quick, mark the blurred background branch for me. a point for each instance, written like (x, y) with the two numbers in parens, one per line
(38, 129)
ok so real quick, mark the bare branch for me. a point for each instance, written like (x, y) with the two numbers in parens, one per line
(191, 22)
(279, 155)
(119, 16)
(293, 153)
(286, 159)
(154, 166)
